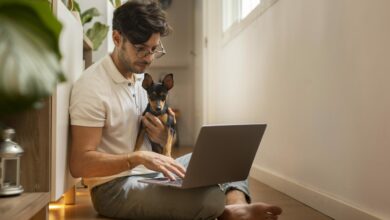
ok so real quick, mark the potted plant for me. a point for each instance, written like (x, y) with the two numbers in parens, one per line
(29, 54)
(98, 32)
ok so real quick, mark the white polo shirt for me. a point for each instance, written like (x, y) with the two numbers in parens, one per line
(103, 97)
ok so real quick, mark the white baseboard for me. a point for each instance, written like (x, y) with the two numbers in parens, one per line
(320, 201)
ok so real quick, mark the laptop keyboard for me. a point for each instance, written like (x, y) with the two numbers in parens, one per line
(164, 181)
(177, 182)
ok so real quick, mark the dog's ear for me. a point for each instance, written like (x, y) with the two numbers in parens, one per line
(148, 81)
(168, 81)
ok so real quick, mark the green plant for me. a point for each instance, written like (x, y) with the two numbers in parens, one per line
(116, 3)
(29, 54)
(98, 32)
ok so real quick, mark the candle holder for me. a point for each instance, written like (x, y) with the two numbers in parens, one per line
(10, 153)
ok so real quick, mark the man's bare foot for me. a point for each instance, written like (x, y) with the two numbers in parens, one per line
(254, 211)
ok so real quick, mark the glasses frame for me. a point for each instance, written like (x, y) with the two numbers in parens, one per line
(141, 53)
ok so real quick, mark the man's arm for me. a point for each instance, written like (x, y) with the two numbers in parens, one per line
(85, 161)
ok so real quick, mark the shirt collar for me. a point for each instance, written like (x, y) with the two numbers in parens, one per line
(116, 76)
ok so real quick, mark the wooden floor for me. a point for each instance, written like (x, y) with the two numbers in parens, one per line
(292, 209)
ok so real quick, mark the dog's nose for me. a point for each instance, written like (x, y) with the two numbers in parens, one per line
(158, 108)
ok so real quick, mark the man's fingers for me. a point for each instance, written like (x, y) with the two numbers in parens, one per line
(158, 136)
(167, 173)
(153, 126)
(169, 166)
(148, 122)
(169, 170)
(177, 168)
(166, 165)
(152, 135)
(153, 120)
(171, 112)
(180, 168)
(176, 171)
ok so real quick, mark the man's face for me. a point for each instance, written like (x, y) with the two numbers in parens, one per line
(128, 58)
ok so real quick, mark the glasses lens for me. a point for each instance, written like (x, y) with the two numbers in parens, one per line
(157, 52)
(142, 53)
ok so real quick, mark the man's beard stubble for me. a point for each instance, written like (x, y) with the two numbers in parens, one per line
(127, 63)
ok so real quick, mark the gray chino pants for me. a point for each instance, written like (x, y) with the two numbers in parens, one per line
(126, 198)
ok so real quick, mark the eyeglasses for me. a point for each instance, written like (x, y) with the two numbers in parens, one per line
(157, 52)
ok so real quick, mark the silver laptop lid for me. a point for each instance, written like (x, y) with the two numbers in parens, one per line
(223, 153)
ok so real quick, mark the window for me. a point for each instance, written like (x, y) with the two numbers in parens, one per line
(236, 10)
(230, 13)
(239, 13)
(247, 6)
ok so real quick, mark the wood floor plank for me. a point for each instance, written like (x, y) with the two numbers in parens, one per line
(292, 209)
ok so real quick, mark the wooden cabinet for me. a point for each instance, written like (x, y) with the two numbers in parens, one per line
(33, 135)
(44, 133)
(26, 206)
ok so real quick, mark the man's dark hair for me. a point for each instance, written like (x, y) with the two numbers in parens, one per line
(138, 20)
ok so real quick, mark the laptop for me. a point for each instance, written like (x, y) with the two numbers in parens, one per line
(222, 153)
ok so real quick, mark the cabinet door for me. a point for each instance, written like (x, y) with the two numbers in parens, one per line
(71, 46)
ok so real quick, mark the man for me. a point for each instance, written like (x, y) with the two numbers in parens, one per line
(106, 107)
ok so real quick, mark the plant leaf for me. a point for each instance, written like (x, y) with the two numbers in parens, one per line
(87, 15)
(76, 7)
(29, 54)
(117, 3)
(97, 34)
(30, 13)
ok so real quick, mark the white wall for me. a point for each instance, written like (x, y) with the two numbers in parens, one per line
(199, 66)
(318, 73)
(71, 46)
(179, 60)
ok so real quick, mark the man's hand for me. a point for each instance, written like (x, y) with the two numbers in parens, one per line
(157, 162)
(157, 131)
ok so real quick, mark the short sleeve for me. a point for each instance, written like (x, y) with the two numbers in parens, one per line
(86, 106)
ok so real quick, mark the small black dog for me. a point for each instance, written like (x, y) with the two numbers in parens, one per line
(157, 95)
